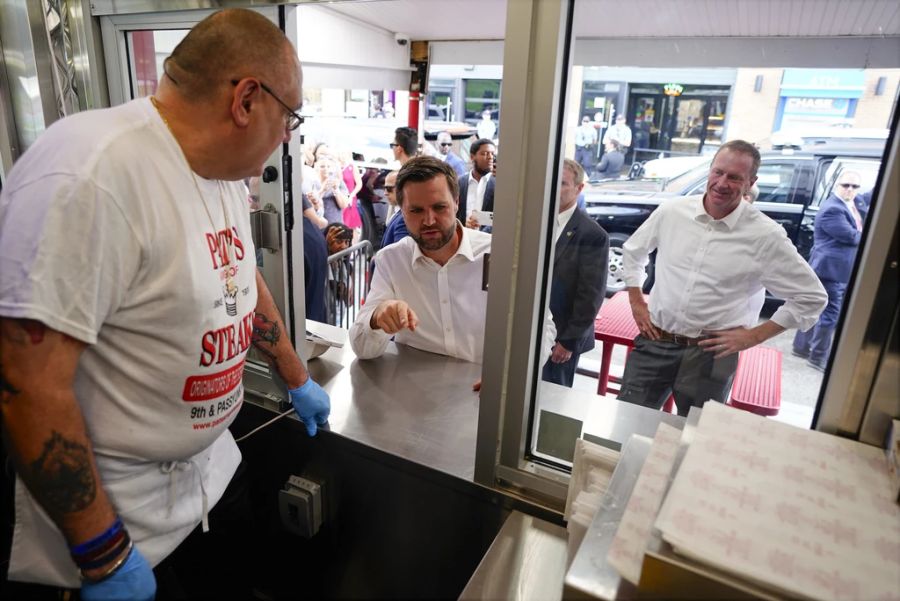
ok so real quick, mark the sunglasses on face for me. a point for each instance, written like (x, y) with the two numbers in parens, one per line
(393, 145)
(852, 186)
(446, 143)
(389, 188)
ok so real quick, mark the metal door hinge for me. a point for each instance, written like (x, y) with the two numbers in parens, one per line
(266, 228)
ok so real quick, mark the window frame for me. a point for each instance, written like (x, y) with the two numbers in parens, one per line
(537, 61)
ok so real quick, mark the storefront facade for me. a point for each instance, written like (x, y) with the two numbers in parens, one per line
(819, 97)
(673, 112)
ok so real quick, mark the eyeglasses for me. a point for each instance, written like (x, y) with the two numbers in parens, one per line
(293, 119)
(853, 186)
(446, 143)
(393, 145)
(389, 188)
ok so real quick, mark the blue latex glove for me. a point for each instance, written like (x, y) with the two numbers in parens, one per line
(134, 580)
(311, 404)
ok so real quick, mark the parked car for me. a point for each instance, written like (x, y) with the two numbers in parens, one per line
(792, 185)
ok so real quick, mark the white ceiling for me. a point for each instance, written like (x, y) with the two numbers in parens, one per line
(485, 19)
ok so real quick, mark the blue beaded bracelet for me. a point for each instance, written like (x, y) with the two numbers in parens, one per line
(86, 547)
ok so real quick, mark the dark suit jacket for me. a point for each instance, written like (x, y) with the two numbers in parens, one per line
(487, 205)
(611, 164)
(835, 240)
(580, 266)
(863, 201)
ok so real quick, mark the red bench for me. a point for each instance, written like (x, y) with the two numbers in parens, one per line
(757, 381)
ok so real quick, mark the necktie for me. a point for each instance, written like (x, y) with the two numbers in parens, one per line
(856, 216)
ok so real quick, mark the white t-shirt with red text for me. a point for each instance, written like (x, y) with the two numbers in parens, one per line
(105, 238)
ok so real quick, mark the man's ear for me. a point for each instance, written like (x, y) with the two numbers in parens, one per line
(244, 97)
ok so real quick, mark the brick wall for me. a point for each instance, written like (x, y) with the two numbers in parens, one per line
(751, 115)
(872, 110)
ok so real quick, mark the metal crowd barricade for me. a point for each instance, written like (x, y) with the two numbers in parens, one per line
(348, 283)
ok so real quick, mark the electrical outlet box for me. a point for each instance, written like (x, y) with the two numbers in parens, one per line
(300, 506)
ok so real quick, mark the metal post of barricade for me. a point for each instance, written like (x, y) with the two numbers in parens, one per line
(348, 283)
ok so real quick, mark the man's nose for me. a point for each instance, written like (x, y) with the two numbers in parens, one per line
(429, 217)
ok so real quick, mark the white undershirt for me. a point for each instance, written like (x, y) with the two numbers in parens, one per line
(562, 220)
(475, 193)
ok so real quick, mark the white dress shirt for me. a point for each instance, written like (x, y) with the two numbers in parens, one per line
(709, 272)
(448, 299)
(562, 220)
(475, 193)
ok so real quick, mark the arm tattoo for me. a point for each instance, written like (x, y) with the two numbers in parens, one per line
(266, 335)
(62, 477)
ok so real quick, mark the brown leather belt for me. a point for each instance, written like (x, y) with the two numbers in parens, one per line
(678, 338)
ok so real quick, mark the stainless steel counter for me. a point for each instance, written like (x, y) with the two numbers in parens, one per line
(420, 406)
(527, 561)
(410, 403)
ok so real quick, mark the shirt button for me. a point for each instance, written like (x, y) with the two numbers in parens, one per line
(448, 329)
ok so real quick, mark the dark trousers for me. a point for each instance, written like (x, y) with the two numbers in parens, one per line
(221, 563)
(656, 369)
(561, 373)
(584, 157)
(815, 343)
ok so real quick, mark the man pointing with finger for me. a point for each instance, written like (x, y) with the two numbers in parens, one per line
(715, 254)
(427, 288)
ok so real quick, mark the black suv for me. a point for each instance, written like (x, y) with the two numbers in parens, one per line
(792, 184)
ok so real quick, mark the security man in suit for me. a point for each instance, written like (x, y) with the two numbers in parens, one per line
(838, 228)
(579, 279)
(476, 188)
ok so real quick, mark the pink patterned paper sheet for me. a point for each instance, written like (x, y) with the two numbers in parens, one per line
(626, 553)
(798, 511)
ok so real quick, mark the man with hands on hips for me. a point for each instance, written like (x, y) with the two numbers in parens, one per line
(129, 297)
(715, 253)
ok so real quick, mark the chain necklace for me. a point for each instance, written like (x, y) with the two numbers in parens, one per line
(230, 286)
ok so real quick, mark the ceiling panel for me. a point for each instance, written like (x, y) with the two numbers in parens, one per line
(485, 19)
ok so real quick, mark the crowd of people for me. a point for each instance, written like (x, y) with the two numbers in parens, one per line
(101, 437)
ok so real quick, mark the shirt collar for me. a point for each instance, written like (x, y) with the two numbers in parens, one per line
(729, 221)
(464, 250)
(563, 218)
(477, 182)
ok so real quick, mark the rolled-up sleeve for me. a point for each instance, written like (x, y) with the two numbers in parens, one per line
(366, 342)
(788, 276)
(636, 250)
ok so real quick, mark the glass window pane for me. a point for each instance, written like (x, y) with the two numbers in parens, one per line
(147, 49)
(821, 135)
